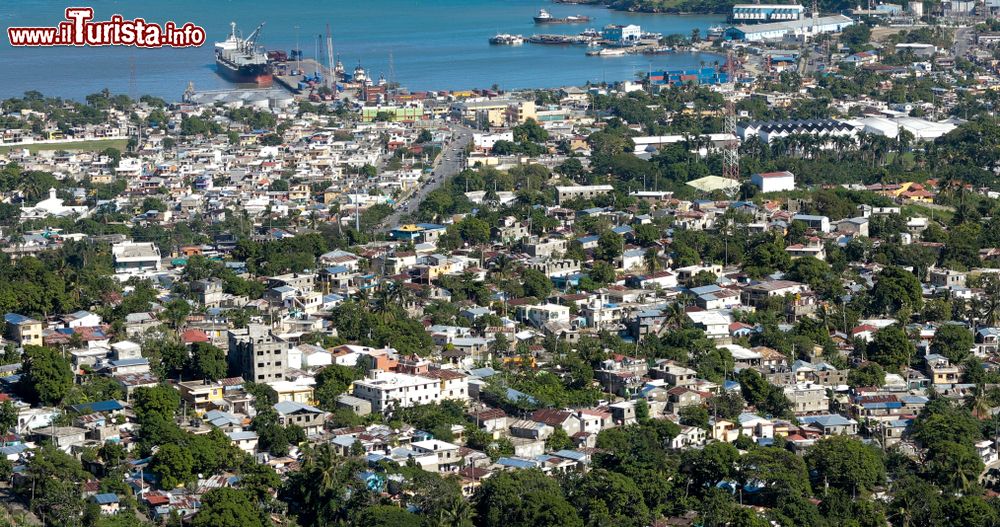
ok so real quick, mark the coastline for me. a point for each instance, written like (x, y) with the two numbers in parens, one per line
(719, 9)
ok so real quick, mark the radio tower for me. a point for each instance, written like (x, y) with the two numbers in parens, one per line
(731, 153)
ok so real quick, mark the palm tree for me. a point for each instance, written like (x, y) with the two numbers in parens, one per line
(382, 305)
(652, 260)
(979, 402)
(989, 305)
(459, 513)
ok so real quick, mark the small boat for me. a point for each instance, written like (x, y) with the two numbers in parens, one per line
(661, 50)
(506, 39)
(607, 52)
(544, 17)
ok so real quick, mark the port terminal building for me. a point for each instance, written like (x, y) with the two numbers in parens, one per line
(749, 13)
(622, 34)
(803, 28)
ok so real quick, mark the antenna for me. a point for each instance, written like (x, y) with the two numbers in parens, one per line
(731, 152)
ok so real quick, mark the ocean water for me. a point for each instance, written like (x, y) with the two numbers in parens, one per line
(422, 44)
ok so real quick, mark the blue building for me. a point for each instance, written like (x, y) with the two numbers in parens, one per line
(622, 34)
(707, 75)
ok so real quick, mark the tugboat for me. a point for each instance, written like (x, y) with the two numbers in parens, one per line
(360, 76)
(506, 39)
(544, 17)
(240, 61)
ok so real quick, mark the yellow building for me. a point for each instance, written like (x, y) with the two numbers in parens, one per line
(200, 395)
(294, 392)
(23, 330)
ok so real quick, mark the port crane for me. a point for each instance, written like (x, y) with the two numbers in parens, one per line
(251, 42)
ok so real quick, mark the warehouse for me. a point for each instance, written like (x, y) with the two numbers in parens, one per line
(804, 27)
(767, 12)
(922, 129)
(768, 131)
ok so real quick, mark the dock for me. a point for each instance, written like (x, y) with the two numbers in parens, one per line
(307, 68)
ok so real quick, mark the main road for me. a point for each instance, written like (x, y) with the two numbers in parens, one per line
(447, 164)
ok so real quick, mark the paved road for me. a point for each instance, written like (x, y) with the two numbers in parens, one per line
(963, 40)
(446, 165)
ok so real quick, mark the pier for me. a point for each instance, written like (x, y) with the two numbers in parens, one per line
(306, 68)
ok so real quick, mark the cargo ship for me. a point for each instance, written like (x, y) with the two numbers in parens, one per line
(544, 17)
(240, 61)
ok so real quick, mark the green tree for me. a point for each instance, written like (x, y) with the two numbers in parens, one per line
(609, 498)
(161, 401)
(227, 507)
(208, 361)
(558, 440)
(46, 376)
(847, 464)
(524, 498)
(891, 348)
(331, 382)
(609, 246)
(536, 284)
(871, 374)
(8, 417)
(174, 464)
(953, 341)
(896, 289)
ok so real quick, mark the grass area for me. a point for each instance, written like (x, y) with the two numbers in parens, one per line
(943, 216)
(90, 146)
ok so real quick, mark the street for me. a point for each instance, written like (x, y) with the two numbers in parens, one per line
(447, 165)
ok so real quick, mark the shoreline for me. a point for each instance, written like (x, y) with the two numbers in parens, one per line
(610, 7)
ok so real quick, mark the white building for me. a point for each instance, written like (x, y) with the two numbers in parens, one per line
(767, 12)
(922, 129)
(486, 141)
(52, 206)
(135, 257)
(389, 390)
(802, 28)
(581, 191)
(543, 314)
(774, 181)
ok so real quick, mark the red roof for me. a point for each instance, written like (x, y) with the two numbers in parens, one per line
(194, 335)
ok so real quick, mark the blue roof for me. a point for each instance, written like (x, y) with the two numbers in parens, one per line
(809, 217)
(129, 362)
(430, 226)
(99, 406)
(570, 454)
(483, 373)
(13, 450)
(516, 463)
(14, 318)
(337, 269)
(828, 420)
(515, 396)
(106, 499)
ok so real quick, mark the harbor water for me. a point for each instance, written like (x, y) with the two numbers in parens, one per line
(422, 44)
